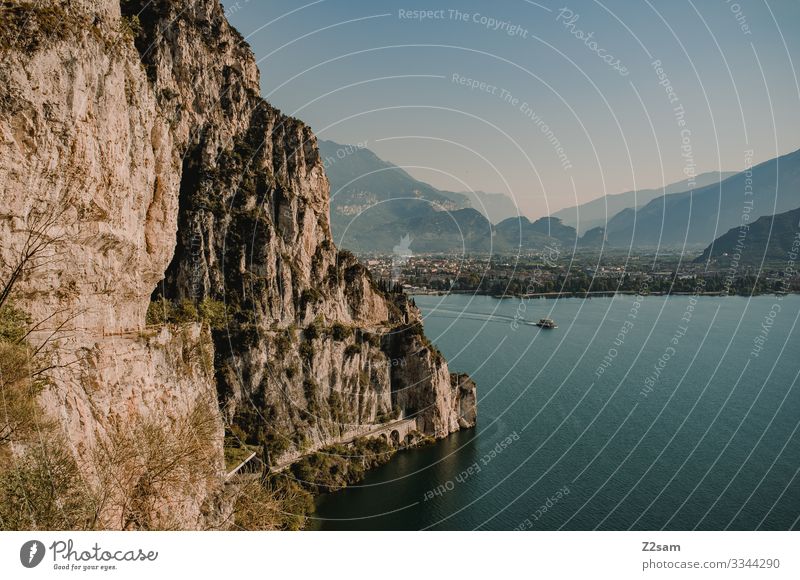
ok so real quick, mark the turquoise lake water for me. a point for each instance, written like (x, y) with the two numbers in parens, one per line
(686, 419)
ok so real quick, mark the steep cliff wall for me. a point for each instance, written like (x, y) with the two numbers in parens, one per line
(90, 163)
(303, 358)
(138, 127)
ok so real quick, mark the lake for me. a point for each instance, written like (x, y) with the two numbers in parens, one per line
(669, 412)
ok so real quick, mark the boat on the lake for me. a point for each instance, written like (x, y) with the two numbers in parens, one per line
(546, 323)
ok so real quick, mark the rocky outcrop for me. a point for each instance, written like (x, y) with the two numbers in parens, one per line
(92, 165)
(441, 410)
(137, 130)
(83, 142)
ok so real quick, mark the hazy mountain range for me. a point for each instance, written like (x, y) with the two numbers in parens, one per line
(697, 217)
(369, 195)
(596, 212)
(375, 204)
(769, 238)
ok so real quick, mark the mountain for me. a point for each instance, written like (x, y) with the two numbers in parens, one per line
(374, 204)
(596, 212)
(369, 194)
(184, 264)
(358, 177)
(462, 231)
(495, 207)
(522, 234)
(769, 238)
(459, 231)
(594, 238)
(697, 217)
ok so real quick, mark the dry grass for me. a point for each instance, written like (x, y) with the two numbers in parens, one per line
(261, 504)
(147, 469)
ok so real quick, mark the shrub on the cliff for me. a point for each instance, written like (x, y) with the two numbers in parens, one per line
(384, 417)
(43, 489)
(29, 25)
(338, 466)
(324, 471)
(185, 311)
(163, 311)
(308, 297)
(277, 503)
(19, 412)
(13, 323)
(267, 428)
(345, 257)
(311, 392)
(209, 311)
(284, 339)
(313, 330)
(158, 312)
(307, 351)
(130, 26)
(274, 443)
(300, 438)
(20, 382)
(337, 408)
(352, 350)
(334, 276)
(152, 463)
(213, 313)
(340, 332)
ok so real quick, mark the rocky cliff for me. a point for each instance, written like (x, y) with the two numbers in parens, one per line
(90, 171)
(135, 131)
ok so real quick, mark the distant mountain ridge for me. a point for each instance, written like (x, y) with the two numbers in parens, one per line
(769, 238)
(375, 203)
(596, 212)
(697, 217)
(368, 192)
(354, 170)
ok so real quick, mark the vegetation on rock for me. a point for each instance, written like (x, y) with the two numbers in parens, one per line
(337, 466)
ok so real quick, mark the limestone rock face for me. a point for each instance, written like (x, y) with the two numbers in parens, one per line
(81, 140)
(125, 384)
(465, 399)
(450, 406)
(138, 129)
(89, 160)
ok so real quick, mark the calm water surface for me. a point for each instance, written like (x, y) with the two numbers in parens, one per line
(686, 425)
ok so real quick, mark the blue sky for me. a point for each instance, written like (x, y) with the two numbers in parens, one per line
(550, 103)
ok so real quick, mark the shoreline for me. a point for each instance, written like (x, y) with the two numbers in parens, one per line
(586, 295)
